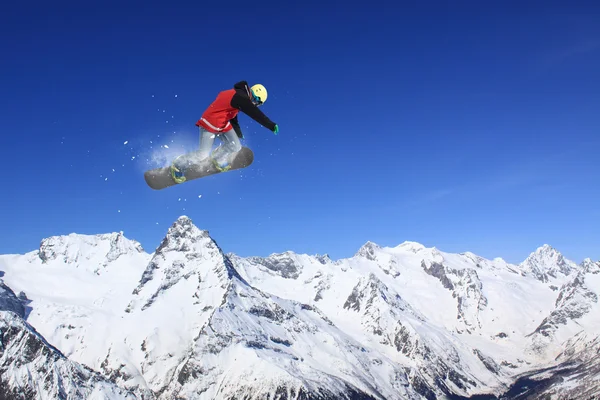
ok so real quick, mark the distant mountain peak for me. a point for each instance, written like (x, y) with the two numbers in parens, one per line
(368, 251)
(547, 249)
(546, 262)
(184, 225)
(75, 248)
(185, 252)
(323, 258)
(414, 247)
(283, 264)
(181, 235)
(590, 267)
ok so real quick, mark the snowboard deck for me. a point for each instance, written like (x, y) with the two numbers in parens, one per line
(160, 178)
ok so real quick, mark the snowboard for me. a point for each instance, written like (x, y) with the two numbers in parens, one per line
(160, 178)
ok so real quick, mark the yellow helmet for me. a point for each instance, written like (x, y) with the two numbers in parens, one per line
(260, 92)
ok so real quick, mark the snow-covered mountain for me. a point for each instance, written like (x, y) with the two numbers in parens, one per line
(31, 368)
(189, 321)
(547, 264)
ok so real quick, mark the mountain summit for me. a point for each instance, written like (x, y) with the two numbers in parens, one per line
(546, 263)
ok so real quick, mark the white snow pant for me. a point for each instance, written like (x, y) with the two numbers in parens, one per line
(230, 144)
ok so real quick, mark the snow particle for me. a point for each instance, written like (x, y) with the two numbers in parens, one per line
(199, 196)
(127, 141)
(165, 146)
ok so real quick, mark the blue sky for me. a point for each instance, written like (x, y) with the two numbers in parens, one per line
(468, 127)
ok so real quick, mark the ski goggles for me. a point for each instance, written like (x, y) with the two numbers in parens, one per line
(256, 100)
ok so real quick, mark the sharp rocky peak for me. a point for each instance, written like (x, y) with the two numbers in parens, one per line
(182, 235)
(547, 250)
(546, 263)
(323, 258)
(283, 264)
(590, 267)
(372, 295)
(368, 251)
(185, 252)
(9, 301)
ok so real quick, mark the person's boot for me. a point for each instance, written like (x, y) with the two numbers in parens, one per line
(177, 173)
(223, 167)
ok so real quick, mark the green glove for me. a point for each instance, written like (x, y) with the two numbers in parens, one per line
(276, 130)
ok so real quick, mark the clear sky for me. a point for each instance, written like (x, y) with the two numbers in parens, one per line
(468, 126)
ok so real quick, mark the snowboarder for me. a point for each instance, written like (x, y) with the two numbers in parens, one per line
(220, 120)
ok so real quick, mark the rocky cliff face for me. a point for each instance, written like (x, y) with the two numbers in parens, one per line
(31, 368)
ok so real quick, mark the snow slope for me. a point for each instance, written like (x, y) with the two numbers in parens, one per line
(487, 313)
(189, 321)
(32, 368)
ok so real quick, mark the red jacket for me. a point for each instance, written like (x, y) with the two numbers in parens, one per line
(217, 116)
(221, 115)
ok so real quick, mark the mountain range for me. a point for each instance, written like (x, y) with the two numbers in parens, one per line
(99, 317)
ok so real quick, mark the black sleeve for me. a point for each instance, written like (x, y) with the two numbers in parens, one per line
(236, 127)
(241, 85)
(245, 105)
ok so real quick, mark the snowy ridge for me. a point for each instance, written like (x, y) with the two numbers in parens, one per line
(496, 304)
(89, 251)
(444, 364)
(466, 288)
(284, 345)
(590, 267)
(573, 311)
(179, 258)
(75, 285)
(575, 375)
(10, 302)
(31, 368)
(404, 322)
